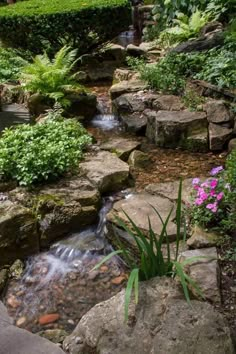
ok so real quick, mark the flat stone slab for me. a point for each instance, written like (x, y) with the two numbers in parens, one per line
(202, 239)
(122, 147)
(19, 341)
(204, 271)
(13, 114)
(139, 208)
(126, 87)
(106, 171)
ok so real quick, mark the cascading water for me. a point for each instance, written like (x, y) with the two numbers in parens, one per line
(61, 281)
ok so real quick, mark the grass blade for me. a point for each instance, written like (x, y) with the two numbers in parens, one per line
(132, 282)
(105, 259)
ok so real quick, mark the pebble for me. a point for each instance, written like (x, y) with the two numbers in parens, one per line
(103, 268)
(49, 318)
(118, 280)
(70, 321)
(78, 340)
(13, 302)
(21, 321)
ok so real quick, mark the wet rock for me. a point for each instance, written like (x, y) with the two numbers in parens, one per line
(170, 190)
(171, 129)
(16, 269)
(3, 279)
(82, 105)
(106, 171)
(218, 112)
(48, 318)
(204, 271)
(139, 207)
(139, 159)
(219, 136)
(19, 237)
(127, 86)
(202, 239)
(16, 340)
(134, 123)
(232, 145)
(150, 326)
(122, 147)
(54, 335)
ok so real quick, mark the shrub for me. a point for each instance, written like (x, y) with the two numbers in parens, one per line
(152, 261)
(43, 24)
(11, 64)
(32, 154)
(51, 78)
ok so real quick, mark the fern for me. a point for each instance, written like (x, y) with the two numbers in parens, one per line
(52, 78)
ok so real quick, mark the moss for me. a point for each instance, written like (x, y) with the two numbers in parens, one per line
(44, 203)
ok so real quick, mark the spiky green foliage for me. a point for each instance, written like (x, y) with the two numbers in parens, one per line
(151, 261)
(51, 77)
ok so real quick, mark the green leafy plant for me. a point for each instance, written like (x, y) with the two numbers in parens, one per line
(11, 64)
(42, 152)
(51, 78)
(152, 261)
(192, 100)
(185, 28)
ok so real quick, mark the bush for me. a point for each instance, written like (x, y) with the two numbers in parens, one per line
(32, 154)
(51, 78)
(11, 64)
(43, 24)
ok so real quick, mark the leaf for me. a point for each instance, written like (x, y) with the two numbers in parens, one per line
(132, 283)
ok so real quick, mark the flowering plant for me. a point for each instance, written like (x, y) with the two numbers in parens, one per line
(209, 197)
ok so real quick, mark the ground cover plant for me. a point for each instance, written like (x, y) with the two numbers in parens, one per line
(151, 260)
(42, 24)
(11, 64)
(32, 154)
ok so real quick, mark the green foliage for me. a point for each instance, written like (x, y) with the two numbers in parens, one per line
(184, 28)
(43, 24)
(152, 261)
(11, 64)
(230, 176)
(33, 154)
(219, 68)
(51, 78)
(192, 100)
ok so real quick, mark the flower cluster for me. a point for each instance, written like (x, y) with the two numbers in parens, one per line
(208, 197)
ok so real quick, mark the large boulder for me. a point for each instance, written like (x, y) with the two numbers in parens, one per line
(122, 147)
(218, 112)
(63, 207)
(173, 129)
(126, 87)
(81, 105)
(161, 323)
(18, 230)
(139, 208)
(135, 122)
(219, 136)
(200, 238)
(106, 171)
(19, 341)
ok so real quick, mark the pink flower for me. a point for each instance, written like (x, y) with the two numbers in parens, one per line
(212, 193)
(205, 184)
(214, 183)
(220, 196)
(198, 201)
(216, 170)
(195, 181)
(212, 207)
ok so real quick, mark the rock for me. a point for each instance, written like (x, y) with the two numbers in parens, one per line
(106, 171)
(3, 279)
(134, 122)
(21, 321)
(126, 87)
(156, 325)
(121, 74)
(134, 50)
(168, 103)
(39, 104)
(122, 147)
(82, 105)
(147, 46)
(54, 335)
(48, 318)
(15, 340)
(10, 94)
(139, 159)
(16, 269)
(139, 207)
(232, 145)
(171, 129)
(118, 280)
(201, 238)
(197, 142)
(170, 190)
(200, 44)
(205, 272)
(63, 207)
(19, 237)
(113, 52)
(211, 27)
(218, 136)
(134, 102)
(217, 112)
